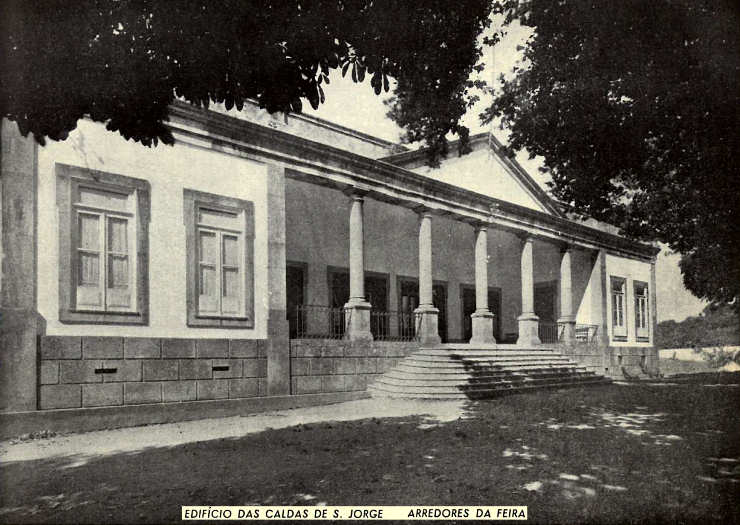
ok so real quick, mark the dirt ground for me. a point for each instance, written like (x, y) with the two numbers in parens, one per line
(650, 452)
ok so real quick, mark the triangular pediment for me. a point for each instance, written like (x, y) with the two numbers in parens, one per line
(485, 170)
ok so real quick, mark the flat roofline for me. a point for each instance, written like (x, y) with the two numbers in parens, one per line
(358, 171)
(328, 124)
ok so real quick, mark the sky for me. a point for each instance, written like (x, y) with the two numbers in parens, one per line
(356, 106)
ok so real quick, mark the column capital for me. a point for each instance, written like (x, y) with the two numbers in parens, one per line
(480, 225)
(525, 237)
(355, 193)
(424, 211)
(566, 246)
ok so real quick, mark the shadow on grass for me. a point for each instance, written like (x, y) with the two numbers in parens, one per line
(589, 469)
(488, 380)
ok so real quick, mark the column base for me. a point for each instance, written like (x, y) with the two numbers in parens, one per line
(357, 321)
(482, 324)
(427, 327)
(529, 325)
(568, 324)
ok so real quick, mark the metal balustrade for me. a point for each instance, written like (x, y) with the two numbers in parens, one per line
(314, 321)
(394, 326)
(586, 332)
(548, 332)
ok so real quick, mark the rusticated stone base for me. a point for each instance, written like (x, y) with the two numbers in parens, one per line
(77, 372)
(331, 365)
(608, 361)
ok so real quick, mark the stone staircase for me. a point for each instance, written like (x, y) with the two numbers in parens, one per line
(466, 372)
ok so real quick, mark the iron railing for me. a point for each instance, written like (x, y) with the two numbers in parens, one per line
(548, 332)
(586, 332)
(394, 326)
(314, 321)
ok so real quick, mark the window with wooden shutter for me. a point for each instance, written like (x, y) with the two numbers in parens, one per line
(642, 315)
(220, 263)
(220, 237)
(103, 246)
(619, 325)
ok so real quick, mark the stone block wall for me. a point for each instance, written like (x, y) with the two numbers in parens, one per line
(330, 365)
(606, 360)
(631, 357)
(79, 372)
(590, 355)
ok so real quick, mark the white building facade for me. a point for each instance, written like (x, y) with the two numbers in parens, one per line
(269, 257)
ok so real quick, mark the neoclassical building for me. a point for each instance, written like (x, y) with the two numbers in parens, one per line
(284, 260)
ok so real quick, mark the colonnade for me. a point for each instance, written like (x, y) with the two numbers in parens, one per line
(358, 320)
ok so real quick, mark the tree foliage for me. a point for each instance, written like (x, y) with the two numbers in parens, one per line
(716, 326)
(123, 61)
(633, 105)
(635, 108)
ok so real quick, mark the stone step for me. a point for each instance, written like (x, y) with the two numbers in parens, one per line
(418, 356)
(483, 393)
(463, 347)
(414, 376)
(473, 382)
(484, 352)
(489, 364)
(457, 372)
(475, 368)
(408, 363)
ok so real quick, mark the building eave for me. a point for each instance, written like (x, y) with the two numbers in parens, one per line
(328, 165)
(479, 141)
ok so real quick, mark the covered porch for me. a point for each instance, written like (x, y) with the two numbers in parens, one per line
(368, 269)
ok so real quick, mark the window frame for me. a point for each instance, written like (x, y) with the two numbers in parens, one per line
(619, 331)
(69, 180)
(642, 333)
(193, 200)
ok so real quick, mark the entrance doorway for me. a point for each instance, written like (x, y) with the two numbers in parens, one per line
(376, 289)
(376, 293)
(408, 301)
(545, 295)
(295, 286)
(467, 300)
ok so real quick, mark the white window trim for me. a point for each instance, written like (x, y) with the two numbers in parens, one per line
(69, 180)
(642, 301)
(220, 232)
(619, 330)
(193, 201)
(131, 234)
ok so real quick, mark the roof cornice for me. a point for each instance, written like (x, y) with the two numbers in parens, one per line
(386, 181)
(479, 141)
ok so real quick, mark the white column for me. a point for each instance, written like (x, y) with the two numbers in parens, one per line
(356, 251)
(603, 299)
(481, 269)
(426, 313)
(567, 318)
(653, 361)
(482, 318)
(357, 309)
(425, 259)
(528, 321)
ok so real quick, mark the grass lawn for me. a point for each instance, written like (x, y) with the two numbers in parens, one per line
(669, 367)
(646, 452)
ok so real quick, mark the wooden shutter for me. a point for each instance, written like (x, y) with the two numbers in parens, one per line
(208, 266)
(619, 327)
(118, 271)
(89, 247)
(232, 297)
